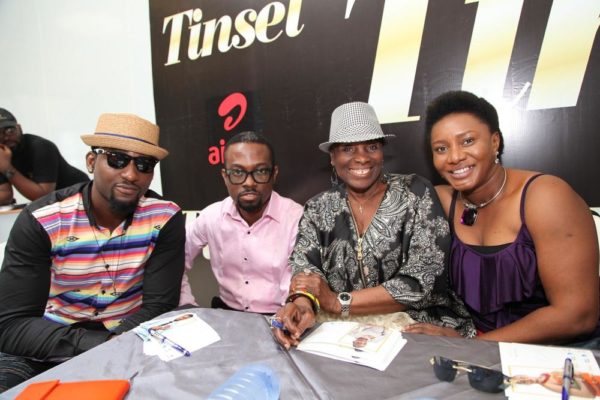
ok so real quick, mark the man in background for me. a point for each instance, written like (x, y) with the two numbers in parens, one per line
(93, 260)
(31, 164)
(250, 234)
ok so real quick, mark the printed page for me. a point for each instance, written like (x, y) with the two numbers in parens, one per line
(537, 371)
(364, 344)
(186, 330)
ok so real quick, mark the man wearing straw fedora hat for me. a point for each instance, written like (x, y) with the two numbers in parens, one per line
(93, 260)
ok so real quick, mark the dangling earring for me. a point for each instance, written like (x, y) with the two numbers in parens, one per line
(384, 174)
(90, 170)
(334, 177)
(497, 160)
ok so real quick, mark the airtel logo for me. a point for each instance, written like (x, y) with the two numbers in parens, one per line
(233, 108)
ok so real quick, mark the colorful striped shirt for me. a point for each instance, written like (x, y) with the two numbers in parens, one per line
(97, 275)
(86, 273)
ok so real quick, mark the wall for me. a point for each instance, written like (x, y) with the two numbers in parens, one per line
(64, 62)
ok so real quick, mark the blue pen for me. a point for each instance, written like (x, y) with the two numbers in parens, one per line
(567, 378)
(164, 339)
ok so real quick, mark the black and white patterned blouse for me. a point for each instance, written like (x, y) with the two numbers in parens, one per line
(404, 249)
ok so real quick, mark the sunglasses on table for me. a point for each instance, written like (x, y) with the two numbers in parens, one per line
(480, 378)
(119, 160)
(238, 176)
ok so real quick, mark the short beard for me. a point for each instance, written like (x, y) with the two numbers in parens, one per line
(121, 207)
(251, 207)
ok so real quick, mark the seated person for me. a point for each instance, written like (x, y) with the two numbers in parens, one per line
(93, 260)
(31, 164)
(524, 254)
(250, 234)
(374, 243)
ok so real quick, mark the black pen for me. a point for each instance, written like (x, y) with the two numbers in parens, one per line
(164, 339)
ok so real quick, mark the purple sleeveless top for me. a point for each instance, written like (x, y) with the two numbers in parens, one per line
(498, 287)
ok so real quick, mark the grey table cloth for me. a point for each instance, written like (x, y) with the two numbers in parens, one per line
(246, 338)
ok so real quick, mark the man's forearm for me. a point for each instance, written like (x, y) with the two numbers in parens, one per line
(30, 189)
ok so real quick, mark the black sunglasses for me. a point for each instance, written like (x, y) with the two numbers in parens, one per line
(480, 378)
(119, 160)
(238, 176)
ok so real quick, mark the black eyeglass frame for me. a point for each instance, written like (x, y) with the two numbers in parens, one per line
(480, 378)
(119, 160)
(254, 172)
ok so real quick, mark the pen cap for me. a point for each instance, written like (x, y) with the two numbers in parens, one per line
(253, 381)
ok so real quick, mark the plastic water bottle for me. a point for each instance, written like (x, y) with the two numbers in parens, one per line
(252, 382)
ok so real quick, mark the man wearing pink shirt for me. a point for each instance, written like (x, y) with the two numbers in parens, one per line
(250, 234)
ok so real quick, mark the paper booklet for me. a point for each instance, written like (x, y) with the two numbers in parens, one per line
(171, 337)
(364, 344)
(538, 371)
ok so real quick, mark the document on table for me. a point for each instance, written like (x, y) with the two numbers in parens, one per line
(186, 331)
(364, 344)
(537, 371)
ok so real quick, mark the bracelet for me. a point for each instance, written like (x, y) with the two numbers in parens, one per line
(316, 306)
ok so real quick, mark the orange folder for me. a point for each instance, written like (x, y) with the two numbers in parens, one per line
(114, 389)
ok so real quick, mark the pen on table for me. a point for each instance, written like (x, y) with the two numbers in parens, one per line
(168, 341)
(567, 378)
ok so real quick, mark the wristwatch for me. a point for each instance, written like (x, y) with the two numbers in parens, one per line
(345, 299)
(9, 173)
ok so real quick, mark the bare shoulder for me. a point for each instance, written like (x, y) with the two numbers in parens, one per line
(551, 200)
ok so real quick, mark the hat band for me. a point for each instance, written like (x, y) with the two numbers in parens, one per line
(125, 137)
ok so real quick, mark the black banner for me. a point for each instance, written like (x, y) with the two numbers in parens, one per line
(224, 66)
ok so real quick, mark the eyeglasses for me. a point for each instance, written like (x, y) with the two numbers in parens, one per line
(239, 176)
(119, 160)
(10, 131)
(480, 378)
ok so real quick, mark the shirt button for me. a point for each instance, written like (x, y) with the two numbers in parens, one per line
(246, 282)
(248, 232)
(246, 308)
(96, 313)
(103, 291)
(245, 259)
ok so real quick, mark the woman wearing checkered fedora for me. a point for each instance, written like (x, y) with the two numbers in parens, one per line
(374, 244)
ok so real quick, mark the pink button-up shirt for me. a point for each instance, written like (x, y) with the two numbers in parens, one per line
(249, 262)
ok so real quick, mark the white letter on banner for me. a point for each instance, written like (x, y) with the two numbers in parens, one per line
(491, 47)
(396, 59)
(565, 53)
(175, 40)
(263, 21)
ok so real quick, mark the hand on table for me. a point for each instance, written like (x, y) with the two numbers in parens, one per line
(296, 317)
(430, 329)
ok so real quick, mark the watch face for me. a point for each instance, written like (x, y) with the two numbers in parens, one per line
(345, 297)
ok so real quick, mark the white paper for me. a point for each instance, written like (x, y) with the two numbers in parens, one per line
(364, 344)
(544, 365)
(186, 329)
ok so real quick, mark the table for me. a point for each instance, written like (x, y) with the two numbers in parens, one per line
(7, 219)
(246, 338)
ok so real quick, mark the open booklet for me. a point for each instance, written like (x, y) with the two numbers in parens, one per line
(175, 336)
(364, 344)
(537, 371)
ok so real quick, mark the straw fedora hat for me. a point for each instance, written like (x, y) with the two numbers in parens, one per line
(352, 123)
(126, 132)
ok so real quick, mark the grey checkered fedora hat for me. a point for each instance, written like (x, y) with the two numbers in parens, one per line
(352, 123)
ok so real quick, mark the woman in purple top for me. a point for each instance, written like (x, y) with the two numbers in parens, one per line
(524, 253)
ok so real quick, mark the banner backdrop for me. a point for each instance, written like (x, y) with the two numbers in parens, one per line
(224, 66)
